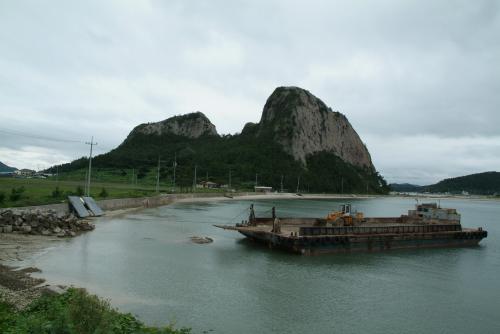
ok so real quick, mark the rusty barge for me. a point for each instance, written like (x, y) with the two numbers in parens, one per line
(342, 231)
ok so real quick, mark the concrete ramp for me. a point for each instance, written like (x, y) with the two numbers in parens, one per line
(78, 205)
(92, 206)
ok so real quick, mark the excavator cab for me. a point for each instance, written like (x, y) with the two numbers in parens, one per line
(346, 209)
(344, 216)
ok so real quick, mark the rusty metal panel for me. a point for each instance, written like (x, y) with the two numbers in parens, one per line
(92, 205)
(78, 205)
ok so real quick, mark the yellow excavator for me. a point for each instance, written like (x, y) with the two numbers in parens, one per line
(344, 217)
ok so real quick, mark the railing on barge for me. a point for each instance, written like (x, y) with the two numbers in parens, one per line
(342, 230)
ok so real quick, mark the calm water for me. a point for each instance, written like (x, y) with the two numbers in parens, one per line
(144, 263)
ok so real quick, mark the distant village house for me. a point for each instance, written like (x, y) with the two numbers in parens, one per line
(262, 189)
(207, 185)
(25, 172)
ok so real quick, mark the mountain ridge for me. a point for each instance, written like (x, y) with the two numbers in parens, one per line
(271, 151)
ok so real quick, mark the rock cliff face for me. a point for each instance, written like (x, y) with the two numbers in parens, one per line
(303, 125)
(193, 125)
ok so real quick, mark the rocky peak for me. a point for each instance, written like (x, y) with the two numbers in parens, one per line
(304, 124)
(192, 125)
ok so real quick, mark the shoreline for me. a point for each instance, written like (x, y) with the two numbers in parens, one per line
(17, 287)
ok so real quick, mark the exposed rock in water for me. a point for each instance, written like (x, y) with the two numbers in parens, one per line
(193, 125)
(202, 240)
(303, 124)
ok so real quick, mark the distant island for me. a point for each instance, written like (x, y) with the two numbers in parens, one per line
(487, 183)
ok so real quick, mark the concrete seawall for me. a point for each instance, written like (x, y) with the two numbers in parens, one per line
(124, 203)
(164, 199)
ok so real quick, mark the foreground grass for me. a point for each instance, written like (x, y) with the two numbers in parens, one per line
(74, 312)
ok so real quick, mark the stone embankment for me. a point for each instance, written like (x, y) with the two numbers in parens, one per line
(42, 222)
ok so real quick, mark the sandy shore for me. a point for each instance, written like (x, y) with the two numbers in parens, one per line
(17, 287)
(239, 197)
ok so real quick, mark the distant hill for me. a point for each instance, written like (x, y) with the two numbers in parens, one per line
(486, 183)
(299, 140)
(6, 169)
(405, 187)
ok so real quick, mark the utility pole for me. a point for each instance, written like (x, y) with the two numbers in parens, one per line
(256, 179)
(342, 185)
(229, 187)
(133, 173)
(86, 174)
(194, 179)
(281, 182)
(57, 174)
(90, 164)
(175, 166)
(158, 176)
(298, 184)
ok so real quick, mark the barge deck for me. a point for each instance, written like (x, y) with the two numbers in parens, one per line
(428, 226)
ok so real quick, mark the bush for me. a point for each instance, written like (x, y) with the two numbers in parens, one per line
(103, 193)
(56, 193)
(2, 197)
(74, 312)
(79, 191)
(143, 171)
(16, 193)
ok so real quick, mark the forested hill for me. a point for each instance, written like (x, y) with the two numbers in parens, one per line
(405, 187)
(299, 140)
(6, 169)
(486, 183)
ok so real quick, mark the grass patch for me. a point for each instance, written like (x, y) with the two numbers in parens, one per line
(30, 192)
(74, 312)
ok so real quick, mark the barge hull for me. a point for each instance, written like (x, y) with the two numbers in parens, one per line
(311, 245)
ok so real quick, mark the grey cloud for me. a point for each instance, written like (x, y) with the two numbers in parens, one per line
(405, 70)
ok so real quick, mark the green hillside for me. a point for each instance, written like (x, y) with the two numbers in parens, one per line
(405, 187)
(244, 155)
(487, 183)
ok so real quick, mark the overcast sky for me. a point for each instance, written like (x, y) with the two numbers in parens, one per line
(419, 80)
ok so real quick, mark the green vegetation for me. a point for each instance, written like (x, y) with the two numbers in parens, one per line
(79, 191)
(49, 191)
(487, 183)
(74, 312)
(16, 193)
(244, 155)
(57, 193)
(405, 187)
(103, 193)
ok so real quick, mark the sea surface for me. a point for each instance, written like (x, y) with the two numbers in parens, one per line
(145, 263)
